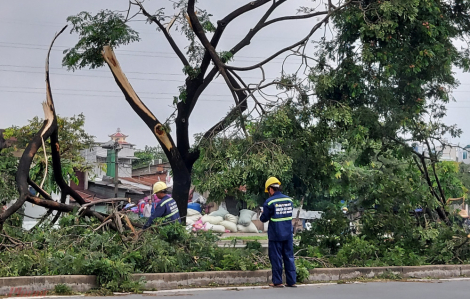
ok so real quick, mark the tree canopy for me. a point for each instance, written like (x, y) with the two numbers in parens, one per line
(148, 155)
(380, 84)
(202, 62)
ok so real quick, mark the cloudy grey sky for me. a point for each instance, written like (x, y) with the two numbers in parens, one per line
(27, 27)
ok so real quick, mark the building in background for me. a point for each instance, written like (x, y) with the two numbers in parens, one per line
(102, 160)
(448, 152)
(134, 184)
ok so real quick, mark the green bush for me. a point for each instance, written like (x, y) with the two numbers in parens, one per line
(62, 289)
(75, 248)
(302, 267)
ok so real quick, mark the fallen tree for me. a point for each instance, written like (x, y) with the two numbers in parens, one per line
(48, 130)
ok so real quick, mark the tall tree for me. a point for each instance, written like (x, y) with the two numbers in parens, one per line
(203, 61)
(381, 83)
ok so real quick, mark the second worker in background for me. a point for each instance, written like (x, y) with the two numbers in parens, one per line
(166, 208)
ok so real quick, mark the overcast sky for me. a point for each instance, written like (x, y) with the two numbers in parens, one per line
(26, 30)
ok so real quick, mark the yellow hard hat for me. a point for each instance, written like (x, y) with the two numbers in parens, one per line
(159, 186)
(272, 180)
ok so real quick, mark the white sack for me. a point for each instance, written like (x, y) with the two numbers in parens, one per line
(192, 212)
(232, 227)
(218, 229)
(247, 229)
(212, 219)
(245, 217)
(231, 218)
(193, 218)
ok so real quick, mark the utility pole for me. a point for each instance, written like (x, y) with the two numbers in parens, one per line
(115, 147)
(116, 168)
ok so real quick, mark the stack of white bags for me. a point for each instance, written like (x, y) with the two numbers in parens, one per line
(222, 221)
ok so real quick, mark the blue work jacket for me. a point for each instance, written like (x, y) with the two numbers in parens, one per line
(278, 211)
(166, 209)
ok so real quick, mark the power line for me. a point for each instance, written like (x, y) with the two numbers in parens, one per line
(157, 98)
(106, 96)
(110, 77)
(107, 77)
(107, 91)
(183, 76)
(150, 56)
(46, 47)
(145, 32)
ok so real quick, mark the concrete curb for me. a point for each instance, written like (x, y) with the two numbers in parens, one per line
(33, 285)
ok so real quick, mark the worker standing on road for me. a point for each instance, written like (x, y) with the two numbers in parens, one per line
(166, 208)
(278, 211)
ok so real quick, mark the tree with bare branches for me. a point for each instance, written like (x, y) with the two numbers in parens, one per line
(202, 63)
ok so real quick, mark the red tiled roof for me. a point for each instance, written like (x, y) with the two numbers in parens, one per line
(88, 196)
(148, 180)
(118, 134)
(135, 180)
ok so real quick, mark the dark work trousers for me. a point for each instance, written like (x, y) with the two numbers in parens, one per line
(280, 251)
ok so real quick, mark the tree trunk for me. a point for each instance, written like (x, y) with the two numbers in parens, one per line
(178, 162)
(181, 186)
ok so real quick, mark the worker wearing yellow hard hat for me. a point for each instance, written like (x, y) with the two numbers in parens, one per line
(271, 181)
(278, 209)
(166, 208)
(158, 187)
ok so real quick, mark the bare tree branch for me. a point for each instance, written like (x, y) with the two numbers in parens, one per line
(224, 123)
(301, 42)
(215, 39)
(199, 31)
(172, 42)
(107, 200)
(433, 165)
(290, 18)
(39, 189)
(181, 171)
(27, 158)
(262, 25)
(222, 24)
(133, 99)
(247, 88)
(247, 39)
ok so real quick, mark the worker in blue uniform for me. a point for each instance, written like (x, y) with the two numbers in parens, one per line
(166, 208)
(278, 211)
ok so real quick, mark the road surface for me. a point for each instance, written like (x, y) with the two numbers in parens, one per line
(369, 290)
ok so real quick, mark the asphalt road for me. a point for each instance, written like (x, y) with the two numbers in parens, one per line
(369, 290)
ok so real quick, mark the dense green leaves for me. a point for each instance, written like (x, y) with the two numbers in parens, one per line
(8, 167)
(391, 63)
(75, 248)
(105, 28)
(148, 155)
(72, 138)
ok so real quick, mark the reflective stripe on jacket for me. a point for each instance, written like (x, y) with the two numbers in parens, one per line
(166, 209)
(278, 211)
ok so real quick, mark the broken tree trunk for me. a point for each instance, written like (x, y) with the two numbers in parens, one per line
(181, 174)
(48, 130)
